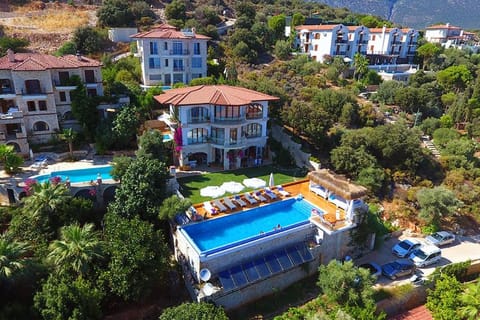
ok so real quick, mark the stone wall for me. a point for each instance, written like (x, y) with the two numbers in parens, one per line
(302, 159)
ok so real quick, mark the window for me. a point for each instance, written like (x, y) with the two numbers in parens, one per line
(196, 48)
(218, 135)
(198, 114)
(32, 86)
(255, 111)
(227, 113)
(197, 75)
(197, 135)
(154, 63)
(31, 106)
(5, 86)
(153, 48)
(155, 77)
(63, 96)
(178, 65)
(42, 105)
(64, 77)
(196, 62)
(89, 76)
(252, 130)
(92, 92)
(177, 48)
(178, 77)
(373, 37)
(40, 126)
(317, 35)
(165, 46)
(166, 62)
(315, 47)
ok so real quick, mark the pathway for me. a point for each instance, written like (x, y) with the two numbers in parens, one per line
(427, 143)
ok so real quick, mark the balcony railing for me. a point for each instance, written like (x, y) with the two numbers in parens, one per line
(340, 53)
(184, 52)
(254, 115)
(199, 119)
(341, 41)
(34, 92)
(412, 44)
(228, 119)
(199, 140)
(7, 91)
(396, 42)
(228, 142)
(179, 68)
(63, 84)
(362, 41)
(11, 115)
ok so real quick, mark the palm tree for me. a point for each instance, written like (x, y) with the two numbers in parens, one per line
(68, 135)
(360, 62)
(47, 197)
(77, 248)
(471, 300)
(9, 158)
(13, 258)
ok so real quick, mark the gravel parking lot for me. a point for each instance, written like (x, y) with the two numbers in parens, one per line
(464, 248)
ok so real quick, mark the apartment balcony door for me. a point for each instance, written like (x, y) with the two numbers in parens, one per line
(233, 136)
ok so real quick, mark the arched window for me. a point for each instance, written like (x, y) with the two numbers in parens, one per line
(197, 135)
(254, 111)
(252, 130)
(40, 126)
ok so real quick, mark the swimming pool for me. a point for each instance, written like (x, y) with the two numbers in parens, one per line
(78, 175)
(167, 137)
(226, 232)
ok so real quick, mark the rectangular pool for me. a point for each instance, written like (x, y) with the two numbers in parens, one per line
(229, 231)
(78, 175)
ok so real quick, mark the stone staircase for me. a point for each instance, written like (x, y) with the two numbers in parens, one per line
(427, 143)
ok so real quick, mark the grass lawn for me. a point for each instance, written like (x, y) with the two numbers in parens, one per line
(190, 186)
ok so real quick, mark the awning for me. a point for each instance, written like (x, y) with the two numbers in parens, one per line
(338, 184)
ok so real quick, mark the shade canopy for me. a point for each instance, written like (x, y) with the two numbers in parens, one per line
(232, 186)
(254, 183)
(271, 181)
(212, 191)
(338, 184)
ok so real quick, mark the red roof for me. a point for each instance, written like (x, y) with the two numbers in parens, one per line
(213, 94)
(40, 62)
(418, 313)
(166, 31)
(442, 26)
(319, 27)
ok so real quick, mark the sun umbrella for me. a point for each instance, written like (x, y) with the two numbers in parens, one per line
(232, 186)
(271, 182)
(212, 191)
(254, 183)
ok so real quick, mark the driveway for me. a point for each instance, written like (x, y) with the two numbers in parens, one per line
(464, 248)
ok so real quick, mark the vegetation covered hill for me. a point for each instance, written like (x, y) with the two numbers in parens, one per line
(417, 14)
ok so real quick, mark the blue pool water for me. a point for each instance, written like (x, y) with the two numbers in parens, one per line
(78, 175)
(229, 231)
(167, 137)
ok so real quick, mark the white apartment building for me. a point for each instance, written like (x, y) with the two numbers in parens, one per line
(218, 124)
(380, 45)
(35, 95)
(448, 35)
(170, 56)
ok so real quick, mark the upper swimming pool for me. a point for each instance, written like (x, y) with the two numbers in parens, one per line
(167, 137)
(229, 231)
(78, 175)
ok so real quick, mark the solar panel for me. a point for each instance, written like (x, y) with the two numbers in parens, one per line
(226, 280)
(251, 271)
(273, 264)
(304, 252)
(238, 276)
(283, 259)
(262, 268)
(294, 256)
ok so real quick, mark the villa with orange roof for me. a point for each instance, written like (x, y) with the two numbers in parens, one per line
(450, 36)
(218, 124)
(169, 56)
(35, 95)
(379, 45)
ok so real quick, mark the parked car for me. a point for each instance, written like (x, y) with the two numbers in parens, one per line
(373, 268)
(440, 238)
(426, 255)
(405, 247)
(398, 268)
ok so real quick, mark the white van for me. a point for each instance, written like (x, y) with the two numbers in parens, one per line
(426, 255)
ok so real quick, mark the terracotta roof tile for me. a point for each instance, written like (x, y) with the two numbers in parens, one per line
(442, 26)
(418, 313)
(166, 31)
(39, 62)
(319, 27)
(215, 94)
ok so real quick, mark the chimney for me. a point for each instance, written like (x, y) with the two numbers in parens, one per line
(79, 56)
(193, 31)
(11, 55)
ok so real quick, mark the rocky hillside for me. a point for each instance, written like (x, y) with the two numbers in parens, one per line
(417, 14)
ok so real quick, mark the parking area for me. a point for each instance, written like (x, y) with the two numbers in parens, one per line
(464, 248)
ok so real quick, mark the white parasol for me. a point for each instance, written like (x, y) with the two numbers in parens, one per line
(232, 186)
(254, 183)
(212, 191)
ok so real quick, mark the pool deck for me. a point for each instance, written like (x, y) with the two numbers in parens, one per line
(294, 188)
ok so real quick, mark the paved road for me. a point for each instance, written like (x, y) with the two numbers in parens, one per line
(466, 247)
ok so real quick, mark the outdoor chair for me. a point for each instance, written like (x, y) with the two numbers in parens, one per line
(239, 200)
(229, 203)
(249, 198)
(282, 191)
(258, 196)
(209, 208)
(219, 205)
(270, 193)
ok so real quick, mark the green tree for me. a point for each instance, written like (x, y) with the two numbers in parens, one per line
(429, 125)
(388, 90)
(9, 159)
(138, 257)
(436, 203)
(84, 108)
(120, 166)
(297, 20)
(360, 63)
(171, 206)
(115, 13)
(176, 10)
(346, 284)
(77, 248)
(151, 144)
(442, 136)
(372, 178)
(282, 49)
(14, 258)
(125, 125)
(16, 44)
(470, 299)
(277, 25)
(346, 159)
(142, 189)
(442, 300)
(192, 310)
(455, 78)
(428, 52)
(87, 40)
(69, 136)
(47, 198)
(67, 47)
(62, 298)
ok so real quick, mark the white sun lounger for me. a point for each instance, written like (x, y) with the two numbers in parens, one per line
(249, 198)
(258, 195)
(219, 205)
(239, 200)
(229, 203)
(270, 193)
(209, 208)
(282, 191)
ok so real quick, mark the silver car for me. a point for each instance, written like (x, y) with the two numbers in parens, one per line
(440, 238)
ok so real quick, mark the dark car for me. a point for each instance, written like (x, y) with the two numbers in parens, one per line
(398, 268)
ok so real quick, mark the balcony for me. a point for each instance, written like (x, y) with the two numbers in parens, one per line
(228, 120)
(195, 120)
(12, 116)
(235, 143)
(7, 93)
(341, 41)
(340, 53)
(185, 52)
(412, 44)
(362, 42)
(178, 68)
(396, 42)
(199, 140)
(254, 115)
(34, 94)
(63, 85)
